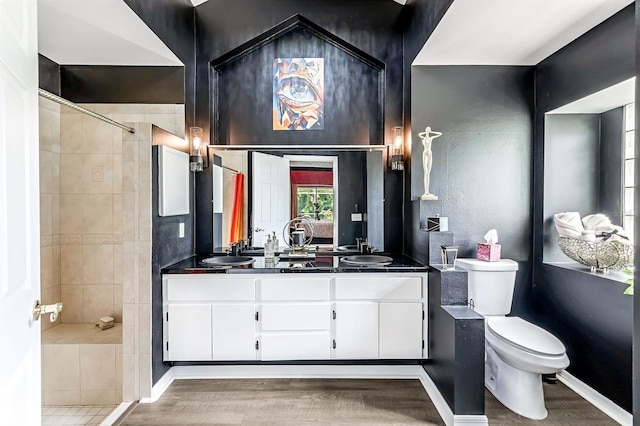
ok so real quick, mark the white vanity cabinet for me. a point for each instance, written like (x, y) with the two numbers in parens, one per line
(209, 318)
(301, 316)
(379, 316)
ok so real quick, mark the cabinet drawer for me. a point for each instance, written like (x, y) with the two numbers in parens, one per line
(210, 289)
(379, 288)
(286, 288)
(295, 346)
(282, 317)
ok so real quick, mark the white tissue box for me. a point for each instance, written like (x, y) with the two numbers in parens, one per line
(488, 252)
(437, 224)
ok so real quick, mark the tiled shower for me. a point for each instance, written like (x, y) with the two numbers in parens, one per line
(95, 182)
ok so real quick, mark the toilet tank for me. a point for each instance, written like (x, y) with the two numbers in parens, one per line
(491, 284)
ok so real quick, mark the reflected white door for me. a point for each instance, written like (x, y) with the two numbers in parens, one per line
(19, 214)
(271, 196)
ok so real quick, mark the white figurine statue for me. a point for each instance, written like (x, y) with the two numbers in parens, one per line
(427, 137)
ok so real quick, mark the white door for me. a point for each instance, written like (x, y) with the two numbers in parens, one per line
(234, 332)
(271, 196)
(356, 330)
(400, 330)
(19, 214)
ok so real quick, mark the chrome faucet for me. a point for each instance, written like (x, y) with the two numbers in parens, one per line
(236, 248)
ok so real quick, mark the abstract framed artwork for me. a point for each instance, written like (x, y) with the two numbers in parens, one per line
(298, 94)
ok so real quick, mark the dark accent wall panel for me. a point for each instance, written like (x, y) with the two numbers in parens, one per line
(608, 52)
(48, 75)
(122, 84)
(352, 105)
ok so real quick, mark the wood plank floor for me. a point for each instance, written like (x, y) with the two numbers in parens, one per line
(334, 402)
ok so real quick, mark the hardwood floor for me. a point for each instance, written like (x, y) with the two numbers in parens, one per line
(334, 402)
(565, 408)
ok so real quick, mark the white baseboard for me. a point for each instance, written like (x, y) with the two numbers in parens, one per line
(296, 371)
(315, 372)
(116, 413)
(158, 389)
(443, 408)
(601, 402)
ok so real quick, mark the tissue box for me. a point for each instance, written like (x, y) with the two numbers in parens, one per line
(488, 252)
(437, 224)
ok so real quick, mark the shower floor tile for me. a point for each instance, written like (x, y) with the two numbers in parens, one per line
(75, 414)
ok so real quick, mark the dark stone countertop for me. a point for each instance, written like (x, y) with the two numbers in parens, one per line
(323, 263)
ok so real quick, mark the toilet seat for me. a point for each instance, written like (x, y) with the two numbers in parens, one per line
(525, 336)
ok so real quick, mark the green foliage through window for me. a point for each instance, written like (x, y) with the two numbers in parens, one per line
(315, 203)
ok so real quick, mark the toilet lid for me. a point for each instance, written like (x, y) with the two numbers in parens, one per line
(525, 335)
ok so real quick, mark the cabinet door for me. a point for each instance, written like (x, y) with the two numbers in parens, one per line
(356, 330)
(234, 332)
(189, 332)
(400, 330)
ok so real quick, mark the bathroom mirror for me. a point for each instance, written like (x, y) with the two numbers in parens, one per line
(258, 189)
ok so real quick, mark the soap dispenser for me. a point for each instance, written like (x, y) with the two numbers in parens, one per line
(268, 248)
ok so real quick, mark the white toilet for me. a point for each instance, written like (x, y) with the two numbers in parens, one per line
(516, 351)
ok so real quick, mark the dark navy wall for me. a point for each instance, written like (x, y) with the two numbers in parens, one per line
(122, 84)
(588, 313)
(48, 75)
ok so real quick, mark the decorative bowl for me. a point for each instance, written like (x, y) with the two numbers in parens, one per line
(599, 254)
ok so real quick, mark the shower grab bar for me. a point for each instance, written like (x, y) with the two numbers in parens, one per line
(70, 104)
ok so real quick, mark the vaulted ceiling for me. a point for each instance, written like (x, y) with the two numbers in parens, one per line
(492, 32)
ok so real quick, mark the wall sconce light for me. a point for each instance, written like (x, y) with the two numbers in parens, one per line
(396, 159)
(198, 162)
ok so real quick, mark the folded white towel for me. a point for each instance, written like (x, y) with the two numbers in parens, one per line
(598, 222)
(568, 224)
